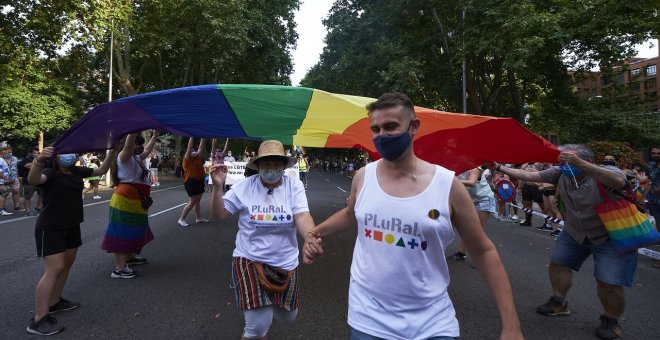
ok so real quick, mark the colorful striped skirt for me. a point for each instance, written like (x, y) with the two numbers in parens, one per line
(128, 229)
(250, 294)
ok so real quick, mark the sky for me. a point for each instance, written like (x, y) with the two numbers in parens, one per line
(311, 35)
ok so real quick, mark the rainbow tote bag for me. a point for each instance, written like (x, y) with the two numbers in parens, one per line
(628, 228)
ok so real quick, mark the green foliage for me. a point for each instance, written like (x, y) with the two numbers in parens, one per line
(33, 99)
(518, 54)
(625, 155)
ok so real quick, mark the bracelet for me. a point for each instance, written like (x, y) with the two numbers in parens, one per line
(314, 234)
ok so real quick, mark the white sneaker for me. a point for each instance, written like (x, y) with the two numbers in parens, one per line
(153, 185)
(514, 218)
(5, 213)
(182, 222)
(97, 197)
(202, 220)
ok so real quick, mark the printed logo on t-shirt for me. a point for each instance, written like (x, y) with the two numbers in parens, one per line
(270, 216)
(393, 231)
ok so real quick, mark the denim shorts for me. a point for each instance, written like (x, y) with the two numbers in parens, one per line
(357, 335)
(609, 266)
(486, 205)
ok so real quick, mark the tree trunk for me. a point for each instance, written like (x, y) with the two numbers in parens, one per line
(515, 96)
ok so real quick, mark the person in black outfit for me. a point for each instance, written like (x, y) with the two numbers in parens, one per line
(57, 232)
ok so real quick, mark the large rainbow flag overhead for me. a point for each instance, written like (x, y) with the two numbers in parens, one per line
(301, 116)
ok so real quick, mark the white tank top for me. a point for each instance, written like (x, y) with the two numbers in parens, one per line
(399, 275)
(131, 171)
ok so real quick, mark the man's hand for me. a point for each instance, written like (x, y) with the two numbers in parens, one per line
(312, 249)
(571, 158)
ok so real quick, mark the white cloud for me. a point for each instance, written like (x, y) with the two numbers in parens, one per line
(311, 33)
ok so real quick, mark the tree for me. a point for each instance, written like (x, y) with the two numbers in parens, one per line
(517, 53)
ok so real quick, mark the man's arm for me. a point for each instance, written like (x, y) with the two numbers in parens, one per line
(342, 219)
(484, 254)
(519, 174)
(603, 176)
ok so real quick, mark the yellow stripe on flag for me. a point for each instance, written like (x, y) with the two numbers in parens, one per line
(126, 204)
(328, 114)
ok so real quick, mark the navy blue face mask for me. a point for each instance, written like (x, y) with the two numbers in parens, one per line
(392, 147)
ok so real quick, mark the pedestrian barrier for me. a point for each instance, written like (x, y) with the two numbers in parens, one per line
(539, 214)
(643, 251)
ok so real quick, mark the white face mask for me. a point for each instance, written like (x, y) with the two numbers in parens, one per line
(271, 176)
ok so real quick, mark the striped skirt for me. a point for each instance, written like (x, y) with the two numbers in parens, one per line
(128, 229)
(250, 294)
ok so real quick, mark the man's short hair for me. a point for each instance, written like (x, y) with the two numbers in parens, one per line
(582, 151)
(393, 99)
(656, 146)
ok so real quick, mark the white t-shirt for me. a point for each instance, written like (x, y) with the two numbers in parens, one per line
(399, 275)
(266, 228)
(131, 171)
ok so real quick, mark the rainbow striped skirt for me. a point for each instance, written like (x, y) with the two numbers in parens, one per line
(250, 294)
(128, 229)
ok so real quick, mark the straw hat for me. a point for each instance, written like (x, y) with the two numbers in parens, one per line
(271, 148)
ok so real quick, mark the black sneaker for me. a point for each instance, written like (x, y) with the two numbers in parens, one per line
(62, 306)
(458, 256)
(544, 227)
(125, 273)
(553, 308)
(46, 326)
(526, 223)
(609, 328)
(136, 261)
(555, 233)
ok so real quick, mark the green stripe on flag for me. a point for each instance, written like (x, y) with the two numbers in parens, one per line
(268, 111)
(637, 230)
(127, 218)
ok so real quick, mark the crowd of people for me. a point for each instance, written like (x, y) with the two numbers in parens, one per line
(431, 203)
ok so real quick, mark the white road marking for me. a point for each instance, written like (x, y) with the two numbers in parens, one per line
(99, 202)
(168, 209)
(341, 189)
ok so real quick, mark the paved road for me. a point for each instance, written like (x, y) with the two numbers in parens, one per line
(184, 290)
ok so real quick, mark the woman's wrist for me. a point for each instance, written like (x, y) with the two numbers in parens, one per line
(313, 233)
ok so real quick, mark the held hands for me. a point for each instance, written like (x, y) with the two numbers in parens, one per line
(313, 248)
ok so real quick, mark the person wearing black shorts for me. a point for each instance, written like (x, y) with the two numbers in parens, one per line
(193, 180)
(530, 194)
(57, 232)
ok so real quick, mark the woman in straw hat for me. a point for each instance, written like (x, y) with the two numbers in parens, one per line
(271, 207)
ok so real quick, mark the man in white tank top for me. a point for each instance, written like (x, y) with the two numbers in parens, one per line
(404, 209)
